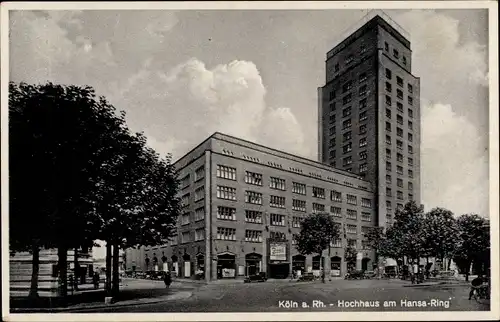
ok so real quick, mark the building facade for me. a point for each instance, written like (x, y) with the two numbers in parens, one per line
(242, 205)
(369, 113)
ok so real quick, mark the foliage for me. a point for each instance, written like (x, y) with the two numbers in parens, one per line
(317, 231)
(376, 239)
(440, 233)
(350, 254)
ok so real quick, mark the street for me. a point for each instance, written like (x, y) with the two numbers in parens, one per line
(339, 295)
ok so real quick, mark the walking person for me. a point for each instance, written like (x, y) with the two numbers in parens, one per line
(95, 279)
(167, 279)
(414, 272)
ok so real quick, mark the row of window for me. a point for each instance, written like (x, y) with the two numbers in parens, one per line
(399, 194)
(399, 182)
(185, 181)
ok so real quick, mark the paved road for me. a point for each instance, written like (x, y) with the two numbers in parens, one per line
(332, 296)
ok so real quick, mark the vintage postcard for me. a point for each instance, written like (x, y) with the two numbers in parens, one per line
(249, 160)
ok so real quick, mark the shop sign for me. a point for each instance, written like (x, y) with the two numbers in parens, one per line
(277, 251)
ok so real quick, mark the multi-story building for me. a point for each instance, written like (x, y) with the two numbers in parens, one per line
(369, 112)
(242, 205)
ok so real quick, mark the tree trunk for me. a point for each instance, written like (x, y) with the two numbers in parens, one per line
(62, 253)
(76, 269)
(108, 269)
(467, 271)
(323, 265)
(35, 250)
(116, 273)
(449, 263)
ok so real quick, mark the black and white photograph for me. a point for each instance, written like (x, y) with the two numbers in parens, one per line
(273, 160)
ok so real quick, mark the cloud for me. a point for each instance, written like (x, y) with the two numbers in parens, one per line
(455, 172)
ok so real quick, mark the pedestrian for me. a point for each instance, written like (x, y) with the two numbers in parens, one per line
(167, 279)
(414, 275)
(95, 279)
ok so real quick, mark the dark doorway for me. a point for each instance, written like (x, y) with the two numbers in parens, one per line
(299, 263)
(175, 265)
(226, 266)
(335, 266)
(279, 271)
(253, 262)
(364, 263)
(186, 266)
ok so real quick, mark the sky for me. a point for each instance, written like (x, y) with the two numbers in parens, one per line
(182, 75)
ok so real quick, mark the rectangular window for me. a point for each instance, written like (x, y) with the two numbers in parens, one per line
(395, 53)
(362, 77)
(185, 200)
(336, 196)
(362, 90)
(388, 166)
(253, 216)
(199, 214)
(277, 183)
(226, 233)
(366, 216)
(388, 205)
(410, 161)
(317, 208)
(351, 243)
(332, 107)
(399, 94)
(185, 181)
(399, 144)
(226, 172)
(332, 119)
(410, 100)
(399, 169)
(399, 119)
(400, 183)
(388, 155)
(410, 125)
(365, 230)
(337, 67)
(410, 186)
(400, 157)
(318, 192)
(400, 195)
(254, 236)
(349, 59)
(199, 234)
(253, 197)
(363, 155)
(388, 113)
(347, 148)
(399, 132)
(362, 103)
(399, 80)
(388, 100)
(199, 193)
(347, 99)
(277, 235)
(362, 116)
(362, 142)
(352, 200)
(299, 205)
(185, 218)
(277, 202)
(352, 214)
(388, 192)
(226, 213)
(410, 197)
(388, 126)
(175, 240)
(388, 139)
(388, 73)
(331, 131)
(410, 113)
(410, 89)
(346, 124)
(226, 193)
(347, 87)
(388, 179)
(199, 173)
(410, 173)
(362, 129)
(332, 154)
(410, 137)
(346, 111)
(336, 211)
(185, 237)
(351, 229)
(386, 45)
(388, 87)
(296, 222)
(299, 188)
(365, 202)
(362, 49)
(347, 161)
(399, 106)
(277, 220)
(365, 245)
(337, 243)
(410, 149)
(253, 178)
(332, 142)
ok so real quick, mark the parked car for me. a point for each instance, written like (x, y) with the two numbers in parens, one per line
(261, 277)
(307, 277)
(355, 275)
(140, 275)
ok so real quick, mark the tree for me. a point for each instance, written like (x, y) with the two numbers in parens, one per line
(440, 231)
(317, 231)
(375, 238)
(350, 255)
(473, 242)
(407, 233)
(58, 141)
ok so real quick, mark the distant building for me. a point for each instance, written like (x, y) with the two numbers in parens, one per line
(369, 112)
(243, 203)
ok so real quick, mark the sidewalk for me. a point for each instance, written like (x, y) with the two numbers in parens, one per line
(132, 292)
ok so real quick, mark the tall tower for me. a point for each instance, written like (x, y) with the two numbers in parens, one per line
(369, 112)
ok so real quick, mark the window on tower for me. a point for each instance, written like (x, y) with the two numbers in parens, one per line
(388, 73)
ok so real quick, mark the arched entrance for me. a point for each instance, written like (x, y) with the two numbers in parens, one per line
(226, 265)
(187, 265)
(175, 265)
(299, 264)
(316, 265)
(253, 264)
(364, 263)
(335, 266)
